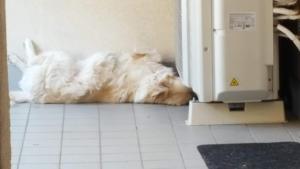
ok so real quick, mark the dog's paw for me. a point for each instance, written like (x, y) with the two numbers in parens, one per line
(19, 97)
(12, 103)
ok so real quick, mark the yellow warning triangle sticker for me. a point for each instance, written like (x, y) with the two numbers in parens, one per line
(234, 82)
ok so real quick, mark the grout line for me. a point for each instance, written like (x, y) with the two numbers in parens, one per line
(213, 135)
(62, 136)
(100, 136)
(251, 133)
(24, 135)
(138, 136)
(289, 132)
(176, 139)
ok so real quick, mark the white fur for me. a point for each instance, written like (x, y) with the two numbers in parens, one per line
(56, 77)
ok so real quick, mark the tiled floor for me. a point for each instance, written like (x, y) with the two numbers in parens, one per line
(122, 137)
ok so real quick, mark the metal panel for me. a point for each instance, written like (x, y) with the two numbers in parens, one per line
(243, 43)
(197, 68)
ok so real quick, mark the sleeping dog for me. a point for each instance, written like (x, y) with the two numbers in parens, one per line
(56, 77)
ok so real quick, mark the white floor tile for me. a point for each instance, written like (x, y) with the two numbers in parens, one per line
(149, 114)
(119, 136)
(81, 128)
(42, 143)
(84, 158)
(39, 166)
(14, 166)
(15, 159)
(16, 151)
(117, 127)
(152, 118)
(20, 108)
(52, 115)
(121, 121)
(122, 165)
(80, 150)
(81, 111)
(232, 134)
(117, 115)
(294, 130)
(158, 141)
(81, 142)
(124, 157)
(18, 122)
(47, 106)
(165, 164)
(115, 108)
(19, 116)
(44, 129)
(194, 134)
(149, 108)
(195, 163)
(40, 159)
(270, 133)
(45, 122)
(81, 115)
(156, 134)
(81, 166)
(119, 142)
(178, 114)
(41, 151)
(159, 148)
(190, 154)
(158, 156)
(75, 135)
(18, 129)
(16, 143)
(39, 109)
(72, 122)
(43, 136)
(17, 136)
(119, 149)
(167, 127)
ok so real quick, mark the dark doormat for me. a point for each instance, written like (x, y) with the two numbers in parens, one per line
(285, 155)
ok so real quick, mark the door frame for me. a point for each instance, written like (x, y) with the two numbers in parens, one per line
(5, 148)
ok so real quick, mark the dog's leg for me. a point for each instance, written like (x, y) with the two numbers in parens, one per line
(30, 52)
(30, 57)
(19, 97)
(18, 61)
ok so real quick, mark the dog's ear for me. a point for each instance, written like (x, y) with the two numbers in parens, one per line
(137, 56)
(165, 81)
(159, 92)
(148, 55)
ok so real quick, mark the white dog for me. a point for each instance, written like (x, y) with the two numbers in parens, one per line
(56, 77)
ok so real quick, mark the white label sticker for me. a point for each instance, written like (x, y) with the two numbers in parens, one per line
(242, 21)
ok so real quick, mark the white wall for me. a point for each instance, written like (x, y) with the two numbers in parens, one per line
(83, 27)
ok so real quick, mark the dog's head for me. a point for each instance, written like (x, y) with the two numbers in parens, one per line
(166, 89)
(173, 92)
